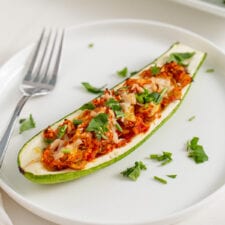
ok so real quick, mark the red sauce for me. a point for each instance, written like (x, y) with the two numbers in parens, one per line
(78, 146)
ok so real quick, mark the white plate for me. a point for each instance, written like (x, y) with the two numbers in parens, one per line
(105, 197)
(216, 7)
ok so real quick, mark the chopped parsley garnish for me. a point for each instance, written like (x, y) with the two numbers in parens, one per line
(133, 73)
(115, 106)
(26, 124)
(118, 127)
(77, 122)
(180, 57)
(98, 125)
(196, 151)
(61, 131)
(191, 118)
(164, 158)
(161, 94)
(48, 140)
(88, 105)
(21, 120)
(90, 45)
(210, 70)
(134, 172)
(146, 96)
(123, 72)
(92, 89)
(173, 176)
(155, 70)
(161, 180)
(66, 150)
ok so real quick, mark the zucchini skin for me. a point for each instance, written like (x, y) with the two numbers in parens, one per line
(69, 175)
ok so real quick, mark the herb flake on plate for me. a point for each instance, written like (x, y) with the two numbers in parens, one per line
(164, 158)
(134, 172)
(92, 89)
(91, 45)
(173, 176)
(27, 124)
(210, 70)
(123, 72)
(196, 151)
(161, 180)
(191, 118)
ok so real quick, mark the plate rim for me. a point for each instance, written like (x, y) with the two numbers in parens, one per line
(52, 216)
(203, 6)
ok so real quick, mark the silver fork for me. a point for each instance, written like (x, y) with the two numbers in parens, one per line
(39, 79)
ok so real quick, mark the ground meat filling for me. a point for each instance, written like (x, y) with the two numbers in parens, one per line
(114, 118)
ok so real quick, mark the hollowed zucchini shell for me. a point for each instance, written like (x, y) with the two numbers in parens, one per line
(29, 155)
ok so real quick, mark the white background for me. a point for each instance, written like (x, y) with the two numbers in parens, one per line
(22, 20)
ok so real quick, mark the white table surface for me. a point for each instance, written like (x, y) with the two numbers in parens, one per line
(22, 20)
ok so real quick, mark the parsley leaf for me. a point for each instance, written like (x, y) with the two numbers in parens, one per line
(88, 105)
(161, 94)
(196, 151)
(173, 176)
(210, 70)
(146, 96)
(116, 107)
(61, 131)
(180, 57)
(26, 124)
(98, 125)
(161, 180)
(66, 150)
(165, 158)
(123, 72)
(91, 88)
(133, 73)
(90, 45)
(134, 172)
(21, 120)
(191, 118)
(155, 70)
(77, 122)
(118, 127)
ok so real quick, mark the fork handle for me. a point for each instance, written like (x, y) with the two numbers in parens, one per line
(8, 132)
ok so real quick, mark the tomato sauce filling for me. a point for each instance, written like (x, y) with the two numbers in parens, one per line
(113, 119)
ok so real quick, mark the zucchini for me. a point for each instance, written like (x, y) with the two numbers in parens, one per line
(29, 156)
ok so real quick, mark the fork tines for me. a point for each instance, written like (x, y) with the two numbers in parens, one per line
(45, 61)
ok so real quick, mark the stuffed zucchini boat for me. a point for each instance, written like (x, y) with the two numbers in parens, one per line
(114, 124)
